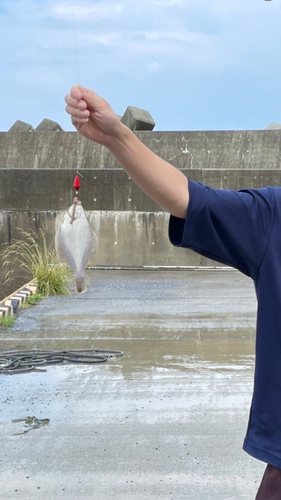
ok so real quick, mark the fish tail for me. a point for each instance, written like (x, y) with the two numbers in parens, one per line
(80, 284)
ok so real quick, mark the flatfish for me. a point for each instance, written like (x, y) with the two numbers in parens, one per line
(75, 241)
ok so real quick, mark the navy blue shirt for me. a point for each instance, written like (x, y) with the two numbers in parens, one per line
(243, 230)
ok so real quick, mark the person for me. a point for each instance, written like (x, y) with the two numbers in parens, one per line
(238, 228)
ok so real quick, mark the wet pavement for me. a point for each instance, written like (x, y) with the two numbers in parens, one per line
(167, 420)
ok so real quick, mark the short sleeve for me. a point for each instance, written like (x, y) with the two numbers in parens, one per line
(231, 227)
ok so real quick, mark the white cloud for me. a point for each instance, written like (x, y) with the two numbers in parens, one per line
(89, 39)
(169, 3)
(201, 35)
(86, 11)
(39, 39)
(178, 36)
(155, 67)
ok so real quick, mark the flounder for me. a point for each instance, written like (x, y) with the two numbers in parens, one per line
(75, 241)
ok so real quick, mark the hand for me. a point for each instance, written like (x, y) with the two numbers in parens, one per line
(92, 115)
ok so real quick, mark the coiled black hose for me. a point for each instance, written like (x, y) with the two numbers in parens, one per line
(27, 361)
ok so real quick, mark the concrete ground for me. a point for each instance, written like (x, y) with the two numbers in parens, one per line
(167, 420)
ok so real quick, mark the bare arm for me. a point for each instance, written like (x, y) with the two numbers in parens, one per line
(158, 179)
(94, 118)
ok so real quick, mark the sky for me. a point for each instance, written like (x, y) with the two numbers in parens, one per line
(193, 64)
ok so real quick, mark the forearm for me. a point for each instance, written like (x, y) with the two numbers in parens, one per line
(157, 178)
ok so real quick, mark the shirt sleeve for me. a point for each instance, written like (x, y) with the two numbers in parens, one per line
(231, 227)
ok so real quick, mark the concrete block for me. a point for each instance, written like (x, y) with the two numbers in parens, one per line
(20, 126)
(274, 126)
(138, 119)
(20, 297)
(16, 303)
(27, 291)
(4, 311)
(48, 126)
(32, 288)
(25, 294)
(8, 303)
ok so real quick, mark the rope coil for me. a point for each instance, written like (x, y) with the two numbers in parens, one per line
(26, 361)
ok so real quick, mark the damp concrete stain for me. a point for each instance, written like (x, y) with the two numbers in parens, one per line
(167, 420)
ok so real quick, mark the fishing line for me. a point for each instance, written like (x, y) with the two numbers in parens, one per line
(75, 41)
(76, 62)
(76, 183)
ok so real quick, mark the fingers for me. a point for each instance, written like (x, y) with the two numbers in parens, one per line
(81, 103)
(74, 103)
(76, 107)
(83, 98)
(77, 92)
(91, 98)
(77, 114)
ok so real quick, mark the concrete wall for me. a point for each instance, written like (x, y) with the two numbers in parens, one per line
(37, 171)
(108, 189)
(196, 150)
(125, 238)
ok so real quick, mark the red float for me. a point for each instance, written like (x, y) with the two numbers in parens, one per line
(76, 183)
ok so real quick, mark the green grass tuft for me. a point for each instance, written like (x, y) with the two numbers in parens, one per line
(32, 300)
(38, 260)
(6, 322)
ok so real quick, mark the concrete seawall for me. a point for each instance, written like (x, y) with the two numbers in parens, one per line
(109, 189)
(37, 171)
(260, 149)
(125, 238)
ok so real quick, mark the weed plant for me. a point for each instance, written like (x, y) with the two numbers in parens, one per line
(37, 260)
(32, 300)
(6, 322)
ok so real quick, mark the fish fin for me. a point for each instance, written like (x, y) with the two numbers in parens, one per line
(58, 246)
(58, 222)
(80, 284)
(59, 219)
(95, 242)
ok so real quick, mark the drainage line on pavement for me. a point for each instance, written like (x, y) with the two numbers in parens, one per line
(26, 361)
